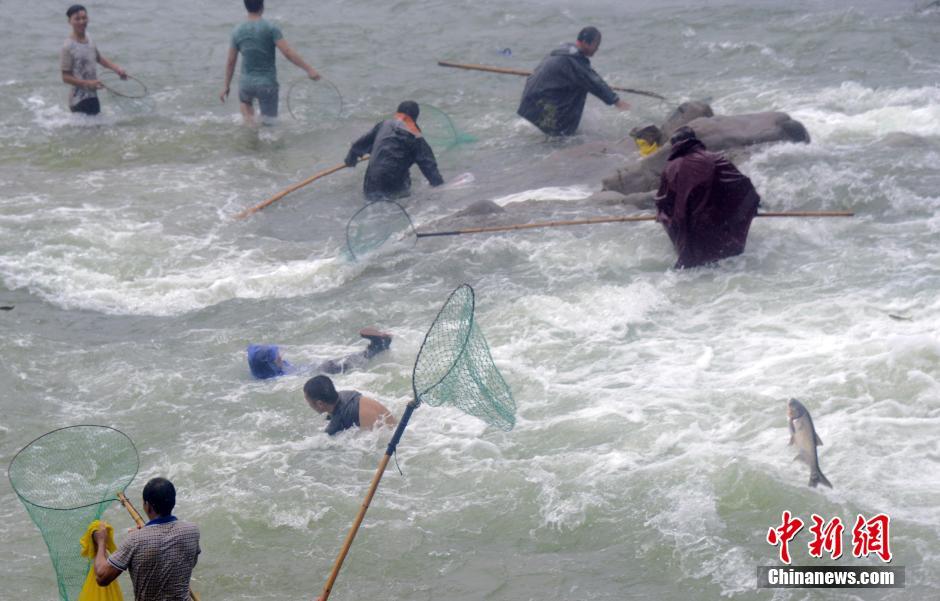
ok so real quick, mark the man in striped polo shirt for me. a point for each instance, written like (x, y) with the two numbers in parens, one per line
(160, 556)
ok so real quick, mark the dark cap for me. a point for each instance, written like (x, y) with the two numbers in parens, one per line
(682, 134)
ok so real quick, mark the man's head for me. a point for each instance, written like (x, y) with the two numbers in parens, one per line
(160, 495)
(255, 7)
(410, 108)
(682, 134)
(320, 394)
(78, 17)
(589, 40)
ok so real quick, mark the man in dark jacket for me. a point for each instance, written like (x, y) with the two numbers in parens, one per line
(705, 204)
(554, 95)
(394, 145)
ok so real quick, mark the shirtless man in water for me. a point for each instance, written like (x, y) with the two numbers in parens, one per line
(346, 408)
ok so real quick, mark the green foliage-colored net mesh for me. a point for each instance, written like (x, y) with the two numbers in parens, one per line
(439, 129)
(374, 224)
(66, 479)
(454, 366)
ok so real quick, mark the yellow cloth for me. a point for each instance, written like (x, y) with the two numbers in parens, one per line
(646, 148)
(90, 590)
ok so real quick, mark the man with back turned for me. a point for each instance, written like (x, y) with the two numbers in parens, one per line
(160, 556)
(554, 95)
(705, 204)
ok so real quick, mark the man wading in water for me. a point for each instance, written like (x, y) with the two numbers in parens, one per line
(554, 95)
(705, 204)
(256, 40)
(77, 61)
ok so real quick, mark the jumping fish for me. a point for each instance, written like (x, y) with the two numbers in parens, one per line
(803, 435)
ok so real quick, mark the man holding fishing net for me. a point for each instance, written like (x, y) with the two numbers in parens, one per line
(554, 95)
(394, 145)
(160, 556)
(704, 203)
(256, 39)
(77, 62)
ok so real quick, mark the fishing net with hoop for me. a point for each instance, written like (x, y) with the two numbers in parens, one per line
(372, 225)
(66, 479)
(454, 366)
(310, 101)
(128, 96)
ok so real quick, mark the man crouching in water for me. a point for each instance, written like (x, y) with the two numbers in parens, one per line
(346, 408)
(394, 145)
(705, 204)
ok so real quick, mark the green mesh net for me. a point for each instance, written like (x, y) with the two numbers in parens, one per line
(439, 129)
(66, 479)
(454, 366)
(372, 225)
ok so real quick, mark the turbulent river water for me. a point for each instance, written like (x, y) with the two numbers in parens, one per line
(650, 453)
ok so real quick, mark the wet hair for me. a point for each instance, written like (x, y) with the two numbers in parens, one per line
(682, 134)
(321, 388)
(254, 6)
(161, 494)
(589, 35)
(75, 8)
(410, 108)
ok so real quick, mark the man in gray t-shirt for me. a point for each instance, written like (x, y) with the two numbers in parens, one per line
(159, 556)
(78, 62)
(256, 40)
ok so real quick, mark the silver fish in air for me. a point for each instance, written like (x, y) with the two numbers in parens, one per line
(803, 435)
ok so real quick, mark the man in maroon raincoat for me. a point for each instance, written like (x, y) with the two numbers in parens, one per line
(705, 204)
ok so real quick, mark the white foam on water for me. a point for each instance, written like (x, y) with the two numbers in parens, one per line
(550, 193)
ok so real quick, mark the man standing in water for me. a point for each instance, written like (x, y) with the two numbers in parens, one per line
(160, 556)
(77, 62)
(256, 40)
(705, 204)
(346, 408)
(554, 95)
(394, 145)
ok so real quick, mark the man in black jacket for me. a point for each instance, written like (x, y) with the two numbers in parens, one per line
(554, 94)
(394, 145)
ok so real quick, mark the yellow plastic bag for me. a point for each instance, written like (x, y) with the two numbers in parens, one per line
(90, 590)
(646, 148)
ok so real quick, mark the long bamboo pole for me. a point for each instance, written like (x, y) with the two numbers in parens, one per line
(392, 445)
(289, 189)
(526, 226)
(508, 71)
(135, 515)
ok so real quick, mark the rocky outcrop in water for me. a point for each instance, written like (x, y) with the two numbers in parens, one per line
(717, 132)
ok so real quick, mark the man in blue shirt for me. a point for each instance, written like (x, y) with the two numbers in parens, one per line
(256, 40)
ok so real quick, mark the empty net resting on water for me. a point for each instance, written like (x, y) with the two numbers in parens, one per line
(372, 225)
(311, 101)
(454, 365)
(127, 96)
(66, 479)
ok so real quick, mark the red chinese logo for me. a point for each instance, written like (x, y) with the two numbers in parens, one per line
(828, 538)
(871, 537)
(784, 534)
(868, 536)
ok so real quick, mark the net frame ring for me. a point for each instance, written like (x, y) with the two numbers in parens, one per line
(12, 469)
(463, 345)
(368, 206)
(295, 83)
(136, 96)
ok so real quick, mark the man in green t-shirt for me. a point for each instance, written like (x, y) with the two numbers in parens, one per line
(256, 40)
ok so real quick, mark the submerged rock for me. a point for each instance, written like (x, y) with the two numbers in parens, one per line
(718, 133)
